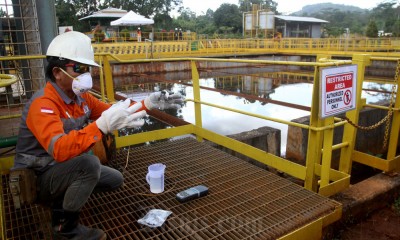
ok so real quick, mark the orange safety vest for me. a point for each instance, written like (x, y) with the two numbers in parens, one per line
(55, 126)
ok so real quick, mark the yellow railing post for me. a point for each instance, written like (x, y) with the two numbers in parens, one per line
(395, 127)
(2, 214)
(327, 152)
(109, 79)
(101, 73)
(314, 137)
(349, 132)
(196, 97)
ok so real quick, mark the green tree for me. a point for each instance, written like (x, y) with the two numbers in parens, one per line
(146, 8)
(396, 29)
(339, 20)
(202, 24)
(187, 20)
(163, 21)
(228, 16)
(82, 7)
(70, 11)
(385, 15)
(246, 5)
(68, 14)
(372, 29)
(205, 23)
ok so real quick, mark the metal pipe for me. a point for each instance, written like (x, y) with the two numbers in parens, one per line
(8, 141)
(46, 14)
(10, 116)
(380, 107)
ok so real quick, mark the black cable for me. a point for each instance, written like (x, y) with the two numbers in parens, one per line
(9, 150)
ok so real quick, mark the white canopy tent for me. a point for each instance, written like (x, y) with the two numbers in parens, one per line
(104, 17)
(106, 13)
(132, 19)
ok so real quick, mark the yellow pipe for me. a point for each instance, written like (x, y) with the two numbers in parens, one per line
(340, 145)
(100, 96)
(10, 116)
(384, 58)
(381, 107)
(7, 80)
(273, 119)
(311, 64)
(10, 58)
(253, 114)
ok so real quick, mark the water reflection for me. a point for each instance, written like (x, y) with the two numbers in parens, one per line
(378, 92)
(282, 95)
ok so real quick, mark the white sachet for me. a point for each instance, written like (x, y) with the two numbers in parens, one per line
(155, 218)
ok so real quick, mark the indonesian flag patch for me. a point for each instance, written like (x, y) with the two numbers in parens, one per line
(46, 110)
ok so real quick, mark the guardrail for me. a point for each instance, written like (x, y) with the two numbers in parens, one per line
(390, 162)
(233, 47)
(130, 36)
(317, 173)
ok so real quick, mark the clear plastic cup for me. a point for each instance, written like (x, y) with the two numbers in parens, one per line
(155, 177)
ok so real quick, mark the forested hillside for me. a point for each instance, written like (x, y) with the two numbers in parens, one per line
(366, 22)
(316, 8)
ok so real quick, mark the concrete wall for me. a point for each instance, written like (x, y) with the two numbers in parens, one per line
(264, 138)
(366, 141)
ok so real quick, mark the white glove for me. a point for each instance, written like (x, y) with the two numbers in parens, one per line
(162, 100)
(120, 115)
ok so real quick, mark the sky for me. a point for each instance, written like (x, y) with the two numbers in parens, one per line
(284, 6)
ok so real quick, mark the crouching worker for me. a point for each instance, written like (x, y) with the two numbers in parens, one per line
(60, 124)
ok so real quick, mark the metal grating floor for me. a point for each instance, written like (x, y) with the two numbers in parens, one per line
(244, 202)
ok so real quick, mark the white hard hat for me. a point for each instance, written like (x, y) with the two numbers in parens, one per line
(74, 46)
(138, 28)
(176, 28)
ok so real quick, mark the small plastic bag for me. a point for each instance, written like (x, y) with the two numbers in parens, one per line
(155, 218)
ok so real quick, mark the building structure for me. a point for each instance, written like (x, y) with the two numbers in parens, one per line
(263, 23)
(299, 27)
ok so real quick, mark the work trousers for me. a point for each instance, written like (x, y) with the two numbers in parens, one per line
(73, 181)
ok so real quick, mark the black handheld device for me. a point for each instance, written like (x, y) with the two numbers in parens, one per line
(192, 193)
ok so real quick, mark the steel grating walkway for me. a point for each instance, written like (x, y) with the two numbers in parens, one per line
(245, 202)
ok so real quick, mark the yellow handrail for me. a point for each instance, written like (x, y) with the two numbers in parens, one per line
(7, 80)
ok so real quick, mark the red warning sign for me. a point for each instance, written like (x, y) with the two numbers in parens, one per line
(338, 89)
(338, 82)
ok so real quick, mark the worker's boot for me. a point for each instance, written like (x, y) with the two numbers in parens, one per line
(66, 225)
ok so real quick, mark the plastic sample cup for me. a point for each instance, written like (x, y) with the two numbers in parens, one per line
(155, 177)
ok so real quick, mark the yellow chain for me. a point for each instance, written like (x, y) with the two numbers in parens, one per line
(387, 117)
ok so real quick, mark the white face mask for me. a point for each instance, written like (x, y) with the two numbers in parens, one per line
(81, 83)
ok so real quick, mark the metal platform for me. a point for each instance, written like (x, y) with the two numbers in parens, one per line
(244, 202)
